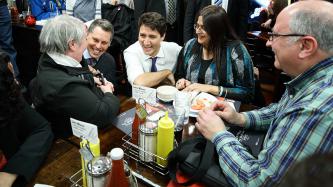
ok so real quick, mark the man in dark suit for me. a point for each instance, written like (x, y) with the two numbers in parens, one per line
(174, 31)
(99, 37)
(237, 11)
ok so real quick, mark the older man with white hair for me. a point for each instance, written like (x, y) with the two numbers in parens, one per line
(64, 87)
(301, 123)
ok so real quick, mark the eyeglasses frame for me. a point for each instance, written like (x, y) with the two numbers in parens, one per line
(272, 35)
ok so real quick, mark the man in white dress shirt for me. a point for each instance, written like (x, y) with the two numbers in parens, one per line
(150, 61)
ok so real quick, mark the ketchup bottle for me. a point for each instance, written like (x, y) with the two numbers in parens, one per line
(117, 176)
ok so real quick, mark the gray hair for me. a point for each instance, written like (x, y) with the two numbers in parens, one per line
(58, 32)
(104, 24)
(318, 24)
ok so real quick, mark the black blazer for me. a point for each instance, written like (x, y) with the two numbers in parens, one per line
(142, 6)
(238, 11)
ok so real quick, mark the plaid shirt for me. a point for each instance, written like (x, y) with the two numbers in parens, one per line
(300, 125)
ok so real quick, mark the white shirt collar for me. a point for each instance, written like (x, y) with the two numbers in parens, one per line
(160, 54)
(64, 60)
(86, 55)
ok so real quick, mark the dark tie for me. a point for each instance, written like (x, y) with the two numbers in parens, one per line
(153, 64)
(171, 18)
(91, 61)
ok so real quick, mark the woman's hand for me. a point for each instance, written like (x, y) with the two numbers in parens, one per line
(198, 87)
(182, 83)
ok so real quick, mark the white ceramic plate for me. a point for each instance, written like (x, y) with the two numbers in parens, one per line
(207, 100)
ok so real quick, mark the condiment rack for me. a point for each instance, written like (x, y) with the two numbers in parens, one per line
(131, 150)
(76, 179)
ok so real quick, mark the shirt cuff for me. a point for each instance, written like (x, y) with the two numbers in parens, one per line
(247, 119)
(223, 137)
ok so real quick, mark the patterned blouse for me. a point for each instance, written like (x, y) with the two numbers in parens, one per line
(236, 75)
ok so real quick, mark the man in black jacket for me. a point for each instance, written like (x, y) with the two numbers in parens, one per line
(64, 88)
(237, 11)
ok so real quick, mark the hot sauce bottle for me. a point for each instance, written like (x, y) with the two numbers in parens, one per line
(139, 118)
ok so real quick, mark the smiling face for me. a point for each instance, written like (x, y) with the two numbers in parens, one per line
(203, 37)
(150, 40)
(285, 51)
(98, 42)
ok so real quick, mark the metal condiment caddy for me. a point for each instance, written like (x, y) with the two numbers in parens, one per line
(133, 151)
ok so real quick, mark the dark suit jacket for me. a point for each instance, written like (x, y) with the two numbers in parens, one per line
(107, 65)
(142, 6)
(238, 11)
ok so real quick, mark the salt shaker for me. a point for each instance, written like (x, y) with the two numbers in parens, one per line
(147, 141)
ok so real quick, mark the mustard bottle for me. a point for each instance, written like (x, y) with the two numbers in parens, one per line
(165, 139)
(95, 150)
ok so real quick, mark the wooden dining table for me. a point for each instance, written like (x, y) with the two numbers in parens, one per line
(64, 161)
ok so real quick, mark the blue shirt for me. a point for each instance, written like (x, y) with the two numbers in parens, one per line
(300, 125)
(44, 9)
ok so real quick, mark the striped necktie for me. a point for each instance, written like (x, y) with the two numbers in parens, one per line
(171, 17)
(153, 64)
(218, 2)
(91, 61)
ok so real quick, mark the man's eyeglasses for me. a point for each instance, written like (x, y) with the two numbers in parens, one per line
(272, 35)
(197, 27)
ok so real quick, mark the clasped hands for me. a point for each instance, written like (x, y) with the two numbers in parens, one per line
(186, 85)
(210, 121)
(101, 82)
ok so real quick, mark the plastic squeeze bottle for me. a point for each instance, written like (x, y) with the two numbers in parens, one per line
(165, 139)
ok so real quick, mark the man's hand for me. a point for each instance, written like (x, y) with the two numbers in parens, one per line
(7, 179)
(208, 123)
(171, 78)
(93, 70)
(182, 83)
(107, 87)
(228, 113)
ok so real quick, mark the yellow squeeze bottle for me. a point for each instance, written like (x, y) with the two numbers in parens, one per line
(165, 139)
(95, 149)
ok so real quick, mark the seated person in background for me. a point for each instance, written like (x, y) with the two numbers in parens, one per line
(64, 87)
(100, 33)
(85, 10)
(25, 136)
(266, 17)
(215, 62)
(301, 123)
(276, 7)
(45, 9)
(150, 61)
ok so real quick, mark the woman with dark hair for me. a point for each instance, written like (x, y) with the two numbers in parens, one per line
(216, 61)
(25, 136)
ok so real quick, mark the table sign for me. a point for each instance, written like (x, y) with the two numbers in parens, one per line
(145, 93)
(84, 130)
